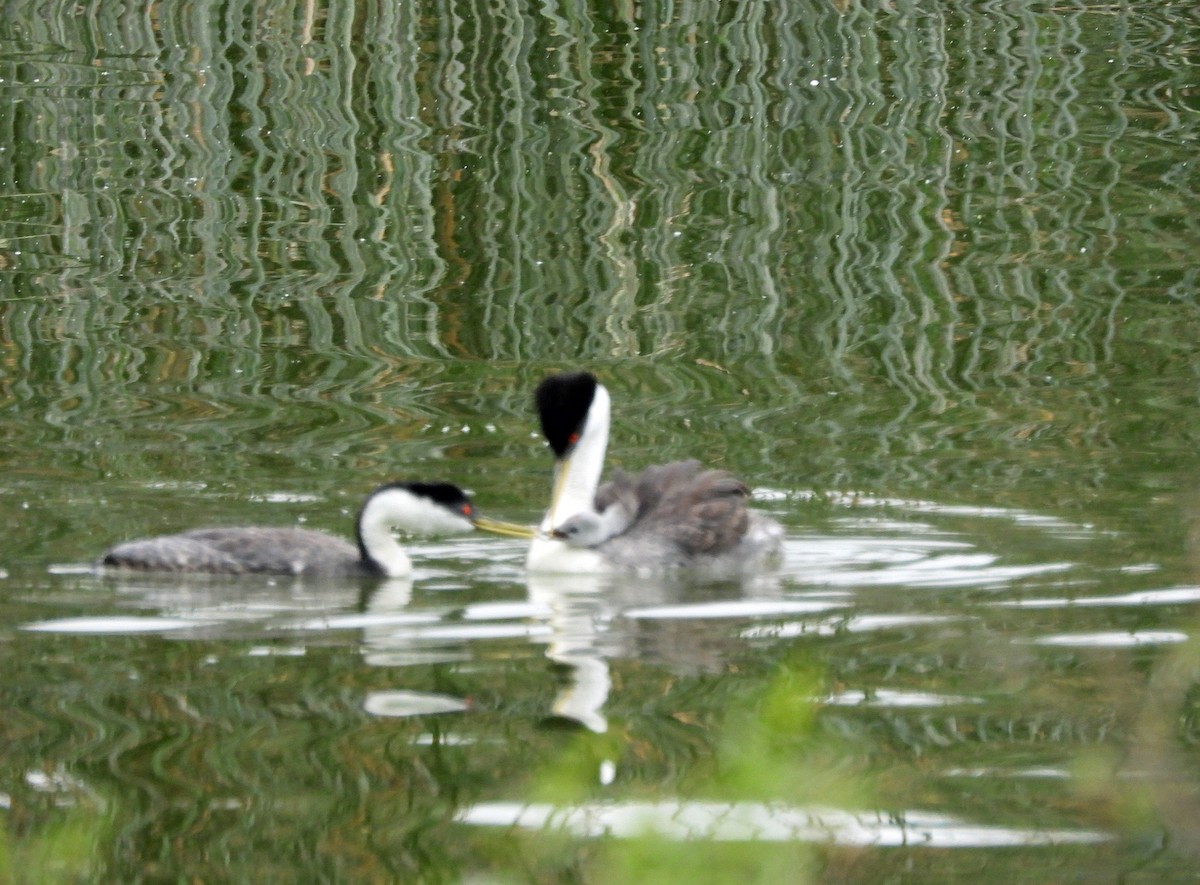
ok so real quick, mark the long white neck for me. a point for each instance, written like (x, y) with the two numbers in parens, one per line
(577, 476)
(375, 539)
(397, 508)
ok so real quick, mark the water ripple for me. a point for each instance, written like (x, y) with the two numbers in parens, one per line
(392, 704)
(766, 823)
(864, 623)
(113, 625)
(1109, 639)
(731, 609)
(1170, 596)
(886, 697)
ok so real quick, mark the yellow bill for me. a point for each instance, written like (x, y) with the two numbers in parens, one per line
(507, 529)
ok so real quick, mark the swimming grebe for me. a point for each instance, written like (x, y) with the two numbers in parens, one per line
(670, 516)
(419, 507)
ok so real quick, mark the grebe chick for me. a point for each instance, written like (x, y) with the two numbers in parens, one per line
(590, 529)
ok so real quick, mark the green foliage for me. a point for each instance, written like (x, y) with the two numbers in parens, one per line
(767, 748)
(64, 848)
(650, 859)
(256, 258)
(763, 748)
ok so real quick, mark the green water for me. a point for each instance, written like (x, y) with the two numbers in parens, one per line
(923, 273)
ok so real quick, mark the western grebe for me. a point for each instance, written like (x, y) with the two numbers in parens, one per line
(670, 516)
(419, 507)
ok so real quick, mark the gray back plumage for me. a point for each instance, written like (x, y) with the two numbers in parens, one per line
(238, 551)
(683, 512)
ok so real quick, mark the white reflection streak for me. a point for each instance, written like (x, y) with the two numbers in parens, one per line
(759, 822)
(503, 611)
(1171, 596)
(1025, 517)
(734, 608)
(1036, 773)
(1111, 639)
(866, 561)
(113, 625)
(858, 624)
(885, 697)
(411, 703)
(471, 632)
(577, 609)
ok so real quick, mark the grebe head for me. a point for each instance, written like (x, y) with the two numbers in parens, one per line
(433, 508)
(574, 409)
(563, 404)
(420, 507)
(590, 529)
(423, 508)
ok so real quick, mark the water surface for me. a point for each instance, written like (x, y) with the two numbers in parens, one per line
(923, 274)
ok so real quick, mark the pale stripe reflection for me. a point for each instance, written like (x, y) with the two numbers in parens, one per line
(761, 822)
(1109, 639)
(1172, 596)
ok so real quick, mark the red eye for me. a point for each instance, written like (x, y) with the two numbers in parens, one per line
(467, 509)
(573, 438)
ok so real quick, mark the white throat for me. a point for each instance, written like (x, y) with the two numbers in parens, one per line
(376, 533)
(399, 509)
(577, 475)
(576, 478)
